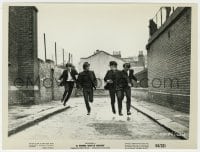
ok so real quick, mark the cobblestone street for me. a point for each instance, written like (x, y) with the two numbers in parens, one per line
(101, 124)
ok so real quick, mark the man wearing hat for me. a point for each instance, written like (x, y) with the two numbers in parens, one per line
(129, 76)
(68, 78)
(113, 82)
(87, 81)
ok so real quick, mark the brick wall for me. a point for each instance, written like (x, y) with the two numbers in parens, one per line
(22, 54)
(31, 80)
(168, 53)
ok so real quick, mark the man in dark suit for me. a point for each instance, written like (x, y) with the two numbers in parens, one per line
(129, 76)
(68, 78)
(113, 80)
(87, 81)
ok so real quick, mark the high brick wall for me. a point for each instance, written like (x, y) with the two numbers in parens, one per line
(168, 53)
(22, 54)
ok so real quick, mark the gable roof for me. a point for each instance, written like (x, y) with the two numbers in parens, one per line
(96, 53)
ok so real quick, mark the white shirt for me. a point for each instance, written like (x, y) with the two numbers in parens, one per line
(69, 78)
(128, 72)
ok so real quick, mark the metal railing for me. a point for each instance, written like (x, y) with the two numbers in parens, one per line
(162, 15)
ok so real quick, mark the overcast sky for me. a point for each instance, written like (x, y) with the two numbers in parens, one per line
(83, 28)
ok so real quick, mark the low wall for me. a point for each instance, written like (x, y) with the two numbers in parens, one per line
(49, 88)
(97, 92)
(174, 101)
(140, 93)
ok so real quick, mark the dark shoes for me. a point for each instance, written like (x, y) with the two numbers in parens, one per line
(128, 113)
(65, 101)
(89, 110)
(114, 112)
(88, 113)
(64, 104)
(120, 114)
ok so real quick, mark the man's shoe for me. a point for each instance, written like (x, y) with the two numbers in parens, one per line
(88, 113)
(114, 112)
(64, 103)
(120, 114)
(128, 113)
(91, 101)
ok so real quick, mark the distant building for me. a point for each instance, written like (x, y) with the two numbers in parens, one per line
(169, 52)
(117, 54)
(138, 63)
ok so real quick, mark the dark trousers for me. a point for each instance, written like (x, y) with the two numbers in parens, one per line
(119, 94)
(112, 93)
(88, 97)
(127, 92)
(68, 91)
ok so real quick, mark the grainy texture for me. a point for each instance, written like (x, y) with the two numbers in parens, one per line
(31, 80)
(22, 51)
(169, 58)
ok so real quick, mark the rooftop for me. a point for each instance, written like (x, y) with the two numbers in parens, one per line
(101, 51)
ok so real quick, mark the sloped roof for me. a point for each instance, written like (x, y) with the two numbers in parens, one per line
(96, 53)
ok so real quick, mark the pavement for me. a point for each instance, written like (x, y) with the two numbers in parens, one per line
(22, 117)
(175, 121)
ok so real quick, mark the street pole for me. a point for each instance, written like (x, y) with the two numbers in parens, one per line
(45, 51)
(69, 58)
(55, 54)
(63, 57)
(161, 15)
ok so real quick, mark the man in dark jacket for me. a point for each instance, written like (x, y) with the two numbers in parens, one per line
(68, 78)
(113, 80)
(87, 81)
(129, 76)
